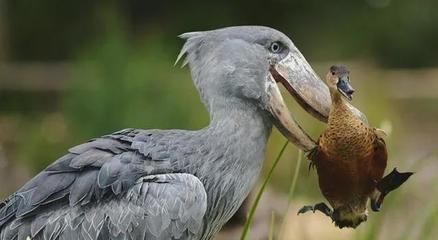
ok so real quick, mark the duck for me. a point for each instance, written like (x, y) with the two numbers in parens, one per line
(350, 159)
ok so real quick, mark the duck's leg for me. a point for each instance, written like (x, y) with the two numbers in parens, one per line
(389, 183)
(322, 207)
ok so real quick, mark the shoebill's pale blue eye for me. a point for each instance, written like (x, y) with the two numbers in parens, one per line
(275, 47)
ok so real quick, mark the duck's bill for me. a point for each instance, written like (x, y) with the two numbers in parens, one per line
(309, 91)
(345, 88)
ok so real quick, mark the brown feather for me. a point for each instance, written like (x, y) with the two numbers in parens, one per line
(350, 159)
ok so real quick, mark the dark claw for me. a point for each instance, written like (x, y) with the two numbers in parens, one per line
(389, 183)
(375, 206)
(322, 207)
(305, 209)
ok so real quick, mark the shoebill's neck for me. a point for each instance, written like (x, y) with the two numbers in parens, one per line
(236, 137)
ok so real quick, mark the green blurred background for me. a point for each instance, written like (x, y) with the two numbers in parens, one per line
(73, 70)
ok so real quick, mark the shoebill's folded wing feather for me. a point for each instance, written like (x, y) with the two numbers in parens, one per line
(111, 187)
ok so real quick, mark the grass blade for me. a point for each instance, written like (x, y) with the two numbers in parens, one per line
(260, 193)
(295, 177)
(291, 191)
(271, 229)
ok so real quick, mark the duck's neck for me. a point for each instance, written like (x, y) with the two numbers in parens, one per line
(337, 98)
(339, 110)
(346, 135)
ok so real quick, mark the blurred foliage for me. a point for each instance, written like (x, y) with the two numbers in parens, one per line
(41, 140)
(118, 85)
(398, 33)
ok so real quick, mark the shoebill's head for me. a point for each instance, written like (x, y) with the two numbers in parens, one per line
(246, 64)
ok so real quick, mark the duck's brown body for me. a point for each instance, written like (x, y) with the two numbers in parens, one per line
(350, 160)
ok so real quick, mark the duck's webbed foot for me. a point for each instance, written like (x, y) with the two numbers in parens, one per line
(389, 183)
(322, 207)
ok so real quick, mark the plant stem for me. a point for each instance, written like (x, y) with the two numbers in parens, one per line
(259, 194)
(295, 177)
(291, 191)
(271, 230)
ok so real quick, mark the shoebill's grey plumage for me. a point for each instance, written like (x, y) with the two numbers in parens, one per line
(177, 184)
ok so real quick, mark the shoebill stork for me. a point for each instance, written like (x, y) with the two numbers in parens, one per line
(177, 184)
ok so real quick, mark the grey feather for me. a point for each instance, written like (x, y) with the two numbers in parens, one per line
(83, 188)
(38, 224)
(53, 184)
(192, 40)
(92, 157)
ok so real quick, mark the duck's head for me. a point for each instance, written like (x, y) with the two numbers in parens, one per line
(338, 80)
(351, 215)
(344, 214)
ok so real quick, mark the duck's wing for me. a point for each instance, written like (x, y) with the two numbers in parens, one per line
(379, 157)
(390, 182)
(106, 188)
(380, 133)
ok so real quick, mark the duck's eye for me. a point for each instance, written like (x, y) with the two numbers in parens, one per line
(333, 73)
(275, 47)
